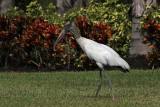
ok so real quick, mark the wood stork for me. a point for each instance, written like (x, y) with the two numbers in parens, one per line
(101, 54)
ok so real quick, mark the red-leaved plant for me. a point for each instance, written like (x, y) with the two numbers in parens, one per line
(152, 27)
(29, 40)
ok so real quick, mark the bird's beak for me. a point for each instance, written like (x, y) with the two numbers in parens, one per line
(63, 32)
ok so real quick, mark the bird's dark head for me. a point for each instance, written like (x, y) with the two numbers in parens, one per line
(68, 27)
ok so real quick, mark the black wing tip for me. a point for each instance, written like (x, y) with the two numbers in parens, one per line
(122, 69)
(127, 70)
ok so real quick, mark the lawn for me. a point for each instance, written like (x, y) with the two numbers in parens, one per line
(77, 89)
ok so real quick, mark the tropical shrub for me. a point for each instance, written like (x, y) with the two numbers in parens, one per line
(110, 12)
(151, 31)
(38, 40)
(34, 9)
(98, 21)
(10, 30)
(28, 40)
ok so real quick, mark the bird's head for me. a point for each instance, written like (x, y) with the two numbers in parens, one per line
(68, 27)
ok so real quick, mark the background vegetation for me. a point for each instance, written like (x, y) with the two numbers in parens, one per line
(110, 18)
(150, 27)
(108, 22)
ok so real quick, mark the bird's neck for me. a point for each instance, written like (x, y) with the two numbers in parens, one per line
(82, 42)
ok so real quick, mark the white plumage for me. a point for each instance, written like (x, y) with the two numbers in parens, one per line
(101, 54)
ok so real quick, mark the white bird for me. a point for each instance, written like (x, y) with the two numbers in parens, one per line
(101, 54)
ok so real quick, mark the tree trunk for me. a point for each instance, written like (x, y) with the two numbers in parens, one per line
(5, 4)
(64, 5)
(138, 9)
(138, 50)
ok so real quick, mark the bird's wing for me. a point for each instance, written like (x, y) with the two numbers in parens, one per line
(104, 54)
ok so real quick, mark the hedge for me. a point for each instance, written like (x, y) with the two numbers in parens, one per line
(32, 43)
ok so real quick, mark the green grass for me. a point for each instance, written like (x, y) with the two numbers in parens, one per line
(77, 89)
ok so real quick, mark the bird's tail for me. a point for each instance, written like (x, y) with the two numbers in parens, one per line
(122, 65)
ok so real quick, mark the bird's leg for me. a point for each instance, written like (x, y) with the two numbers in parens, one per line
(110, 85)
(100, 83)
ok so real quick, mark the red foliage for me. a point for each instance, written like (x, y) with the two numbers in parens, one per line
(152, 27)
(40, 34)
(31, 40)
(27, 34)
